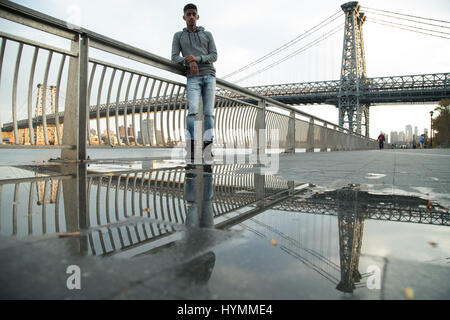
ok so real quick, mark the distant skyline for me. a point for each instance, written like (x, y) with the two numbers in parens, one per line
(247, 30)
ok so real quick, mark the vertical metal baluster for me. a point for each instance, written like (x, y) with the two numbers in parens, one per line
(108, 189)
(141, 208)
(149, 106)
(91, 80)
(163, 102)
(117, 199)
(218, 121)
(133, 191)
(108, 102)
(175, 137)
(155, 111)
(234, 125)
(58, 84)
(30, 96)
(125, 115)
(240, 126)
(88, 207)
(245, 122)
(169, 174)
(15, 205)
(99, 96)
(125, 196)
(2, 55)
(119, 140)
(141, 110)
(58, 195)
(133, 109)
(161, 193)
(14, 94)
(30, 209)
(148, 193)
(44, 97)
(98, 205)
(44, 209)
(155, 184)
(182, 116)
(226, 126)
(169, 115)
(174, 194)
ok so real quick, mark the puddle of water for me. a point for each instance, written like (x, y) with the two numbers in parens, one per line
(268, 237)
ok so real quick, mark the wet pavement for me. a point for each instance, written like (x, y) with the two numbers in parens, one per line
(336, 225)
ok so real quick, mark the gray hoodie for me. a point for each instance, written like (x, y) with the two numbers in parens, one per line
(199, 43)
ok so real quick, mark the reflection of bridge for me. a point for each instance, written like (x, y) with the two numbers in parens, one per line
(129, 213)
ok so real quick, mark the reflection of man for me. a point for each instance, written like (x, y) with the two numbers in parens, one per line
(196, 200)
(199, 52)
(199, 194)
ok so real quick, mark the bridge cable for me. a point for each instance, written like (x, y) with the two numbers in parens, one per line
(317, 27)
(410, 26)
(293, 54)
(405, 19)
(406, 15)
(398, 26)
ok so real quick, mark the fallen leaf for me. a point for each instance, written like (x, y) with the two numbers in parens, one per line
(147, 209)
(409, 293)
(109, 174)
(274, 242)
(382, 182)
(68, 234)
(302, 199)
(433, 244)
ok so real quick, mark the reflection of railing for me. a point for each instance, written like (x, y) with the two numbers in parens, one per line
(153, 200)
(127, 101)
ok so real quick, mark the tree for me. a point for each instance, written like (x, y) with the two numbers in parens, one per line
(441, 124)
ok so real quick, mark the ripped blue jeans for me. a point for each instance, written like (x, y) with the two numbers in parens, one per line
(201, 86)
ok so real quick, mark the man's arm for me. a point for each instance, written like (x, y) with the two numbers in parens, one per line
(212, 51)
(176, 49)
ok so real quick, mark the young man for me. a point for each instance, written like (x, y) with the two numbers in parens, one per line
(198, 54)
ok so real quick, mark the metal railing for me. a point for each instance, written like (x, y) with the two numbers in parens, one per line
(110, 104)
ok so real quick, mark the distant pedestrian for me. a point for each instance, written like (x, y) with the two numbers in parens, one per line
(381, 139)
(422, 141)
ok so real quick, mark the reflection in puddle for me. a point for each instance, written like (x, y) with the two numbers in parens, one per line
(130, 213)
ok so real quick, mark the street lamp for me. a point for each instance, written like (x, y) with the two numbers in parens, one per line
(431, 129)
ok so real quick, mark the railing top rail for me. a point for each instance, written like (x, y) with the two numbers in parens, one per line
(43, 22)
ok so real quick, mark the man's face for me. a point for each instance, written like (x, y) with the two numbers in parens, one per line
(191, 17)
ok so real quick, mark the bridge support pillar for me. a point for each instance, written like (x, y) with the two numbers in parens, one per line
(353, 72)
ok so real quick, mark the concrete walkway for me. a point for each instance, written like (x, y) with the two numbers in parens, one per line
(422, 173)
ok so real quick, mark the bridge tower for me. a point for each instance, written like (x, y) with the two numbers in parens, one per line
(351, 215)
(353, 114)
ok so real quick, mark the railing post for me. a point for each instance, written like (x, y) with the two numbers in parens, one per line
(260, 127)
(324, 139)
(310, 138)
(76, 111)
(291, 134)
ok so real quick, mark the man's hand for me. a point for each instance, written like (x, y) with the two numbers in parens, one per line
(190, 58)
(193, 66)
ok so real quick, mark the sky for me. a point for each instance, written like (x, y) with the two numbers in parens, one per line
(247, 30)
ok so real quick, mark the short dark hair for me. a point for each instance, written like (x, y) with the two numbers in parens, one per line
(189, 6)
